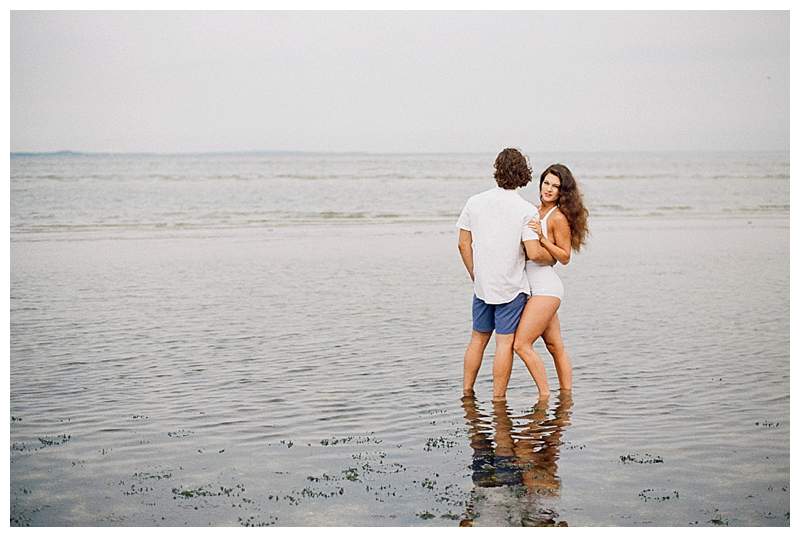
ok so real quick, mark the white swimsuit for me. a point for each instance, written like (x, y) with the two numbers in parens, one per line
(543, 278)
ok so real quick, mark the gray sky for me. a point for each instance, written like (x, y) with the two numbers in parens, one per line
(395, 81)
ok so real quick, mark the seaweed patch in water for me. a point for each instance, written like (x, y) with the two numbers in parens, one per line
(19, 519)
(367, 455)
(428, 483)
(140, 486)
(332, 441)
(325, 477)
(450, 496)
(439, 443)
(768, 424)
(641, 459)
(651, 495)
(55, 440)
(308, 492)
(351, 474)
(180, 433)
(394, 468)
(158, 475)
(135, 490)
(379, 457)
(251, 521)
(235, 491)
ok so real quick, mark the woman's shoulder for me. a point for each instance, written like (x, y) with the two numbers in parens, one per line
(558, 216)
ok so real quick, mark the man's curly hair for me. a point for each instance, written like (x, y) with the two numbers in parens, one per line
(511, 169)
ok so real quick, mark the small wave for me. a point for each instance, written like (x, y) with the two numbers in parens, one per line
(341, 215)
(675, 208)
(677, 176)
(23, 154)
(615, 207)
(371, 176)
(767, 208)
(631, 176)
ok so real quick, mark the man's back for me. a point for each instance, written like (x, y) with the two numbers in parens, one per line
(497, 221)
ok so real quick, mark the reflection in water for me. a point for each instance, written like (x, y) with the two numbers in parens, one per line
(515, 472)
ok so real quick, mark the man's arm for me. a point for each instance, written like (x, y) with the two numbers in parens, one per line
(538, 253)
(465, 249)
(533, 248)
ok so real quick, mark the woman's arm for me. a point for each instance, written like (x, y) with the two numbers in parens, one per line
(561, 248)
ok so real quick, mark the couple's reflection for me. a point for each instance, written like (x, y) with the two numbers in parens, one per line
(515, 462)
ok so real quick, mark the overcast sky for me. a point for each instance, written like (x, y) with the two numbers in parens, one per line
(397, 82)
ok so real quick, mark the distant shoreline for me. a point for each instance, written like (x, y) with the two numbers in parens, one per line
(71, 153)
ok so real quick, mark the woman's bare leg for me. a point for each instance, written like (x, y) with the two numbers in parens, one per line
(555, 346)
(535, 318)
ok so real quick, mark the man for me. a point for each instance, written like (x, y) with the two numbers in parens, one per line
(492, 227)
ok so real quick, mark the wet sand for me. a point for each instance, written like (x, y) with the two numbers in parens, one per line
(311, 376)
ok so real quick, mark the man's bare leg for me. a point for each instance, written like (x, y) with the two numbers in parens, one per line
(503, 360)
(473, 358)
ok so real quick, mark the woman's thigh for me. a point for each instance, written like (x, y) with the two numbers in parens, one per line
(536, 316)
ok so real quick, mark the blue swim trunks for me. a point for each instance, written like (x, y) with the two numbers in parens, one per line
(502, 318)
(491, 470)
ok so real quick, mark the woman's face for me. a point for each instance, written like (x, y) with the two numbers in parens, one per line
(551, 188)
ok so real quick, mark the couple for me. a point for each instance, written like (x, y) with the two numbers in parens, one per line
(509, 249)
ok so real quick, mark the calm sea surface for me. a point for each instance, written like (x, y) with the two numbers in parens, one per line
(276, 339)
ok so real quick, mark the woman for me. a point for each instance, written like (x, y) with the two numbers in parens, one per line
(561, 227)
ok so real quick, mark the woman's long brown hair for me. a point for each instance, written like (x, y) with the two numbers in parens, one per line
(570, 201)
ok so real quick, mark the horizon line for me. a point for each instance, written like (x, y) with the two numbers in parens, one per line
(68, 152)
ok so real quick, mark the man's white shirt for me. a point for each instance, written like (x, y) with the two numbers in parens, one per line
(498, 221)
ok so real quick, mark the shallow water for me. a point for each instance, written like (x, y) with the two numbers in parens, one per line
(311, 375)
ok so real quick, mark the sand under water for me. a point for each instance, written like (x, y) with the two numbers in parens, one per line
(311, 375)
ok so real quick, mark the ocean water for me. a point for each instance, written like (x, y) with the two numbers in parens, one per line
(276, 339)
(113, 194)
